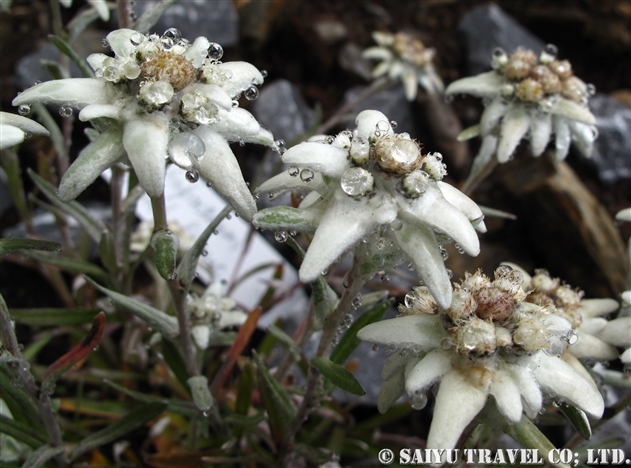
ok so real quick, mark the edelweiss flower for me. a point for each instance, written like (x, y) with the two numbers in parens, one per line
(489, 342)
(159, 98)
(212, 312)
(532, 97)
(14, 129)
(99, 5)
(406, 57)
(375, 186)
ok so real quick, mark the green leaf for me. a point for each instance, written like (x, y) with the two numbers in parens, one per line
(244, 391)
(339, 375)
(158, 320)
(285, 340)
(578, 418)
(280, 408)
(198, 384)
(26, 403)
(67, 49)
(132, 420)
(165, 243)
(11, 245)
(93, 226)
(324, 299)
(21, 432)
(52, 317)
(41, 456)
(72, 265)
(106, 251)
(285, 217)
(243, 421)
(174, 359)
(54, 68)
(188, 265)
(468, 133)
(349, 341)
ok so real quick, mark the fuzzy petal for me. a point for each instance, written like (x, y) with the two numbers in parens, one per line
(422, 332)
(220, 166)
(583, 136)
(507, 395)
(528, 387)
(420, 244)
(23, 123)
(377, 53)
(367, 123)
(487, 149)
(96, 60)
(96, 111)
(120, 42)
(395, 363)
(320, 157)
(514, 126)
(98, 156)
(410, 83)
(239, 125)
(485, 85)
(617, 332)
(381, 69)
(573, 111)
(244, 75)
(101, 8)
(392, 389)
(492, 115)
(288, 218)
(284, 182)
(559, 379)
(457, 403)
(464, 204)
(146, 144)
(562, 138)
(197, 51)
(73, 92)
(10, 136)
(540, 130)
(597, 307)
(428, 371)
(342, 225)
(213, 92)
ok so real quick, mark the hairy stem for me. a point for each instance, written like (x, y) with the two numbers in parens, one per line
(124, 14)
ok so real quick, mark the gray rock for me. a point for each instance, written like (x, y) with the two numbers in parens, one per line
(30, 69)
(487, 27)
(281, 109)
(612, 148)
(391, 101)
(216, 20)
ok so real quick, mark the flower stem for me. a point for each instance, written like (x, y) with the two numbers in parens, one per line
(124, 14)
(475, 179)
(375, 87)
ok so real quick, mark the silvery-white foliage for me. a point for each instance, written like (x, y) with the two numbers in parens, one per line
(15, 128)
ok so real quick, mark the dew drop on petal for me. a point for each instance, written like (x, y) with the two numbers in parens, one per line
(307, 175)
(251, 93)
(215, 51)
(264, 73)
(105, 42)
(280, 236)
(396, 225)
(24, 109)
(235, 103)
(65, 111)
(173, 33)
(293, 171)
(136, 39)
(192, 176)
(393, 123)
(375, 347)
(131, 70)
(111, 73)
(356, 182)
(571, 337)
(418, 401)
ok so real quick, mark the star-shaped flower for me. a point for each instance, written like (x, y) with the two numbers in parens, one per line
(406, 57)
(489, 342)
(161, 98)
(212, 312)
(532, 97)
(375, 186)
(14, 129)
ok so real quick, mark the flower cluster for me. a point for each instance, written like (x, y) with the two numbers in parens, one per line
(374, 186)
(212, 312)
(161, 98)
(405, 56)
(490, 341)
(529, 96)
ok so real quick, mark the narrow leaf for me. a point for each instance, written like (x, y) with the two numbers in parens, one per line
(188, 265)
(132, 420)
(281, 410)
(72, 265)
(324, 299)
(468, 133)
(185, 408)
(50, 317)
(76, 354)
(349, 341)
(67, 49)
(198, 384)
(8, 246)
(93, 226)
(18, 394)
(578, 418)
(81, 21)
(158, 320)
(41, 456)
(244, 391)
(21, 432)
(240, 342)
(165, 243)
(338, 375)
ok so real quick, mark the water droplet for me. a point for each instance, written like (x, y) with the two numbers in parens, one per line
(356, 182)
(293, 171)
(396, 225)
(384, 278)
(280, 236)
(324, 272)
(235, 104)
(571, 337)
(111, 73)
(215, 51)
(357, 302)
(204, 253)
(251, 93)
(393, 123)
(418, 401)
(216, 231)
(516, 277)
(382, 126)
(551, 50)
(591, 89)
(105, 42)
(131, 70)
(173, 33)
(192, 176)
(279, 147)
(307, 175)
(264, 73)
(209, 184)
(411, 266)
(36, 82)
(498, 52)
(410, 299)
(375, 347)
(241, 142)
(348, 320)
(444, 253)
(256, 197)
(185, 148)
(136, 39)
(228, 216)
(24, 109)
(450, 273)
(390, 348)
(65, 111)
